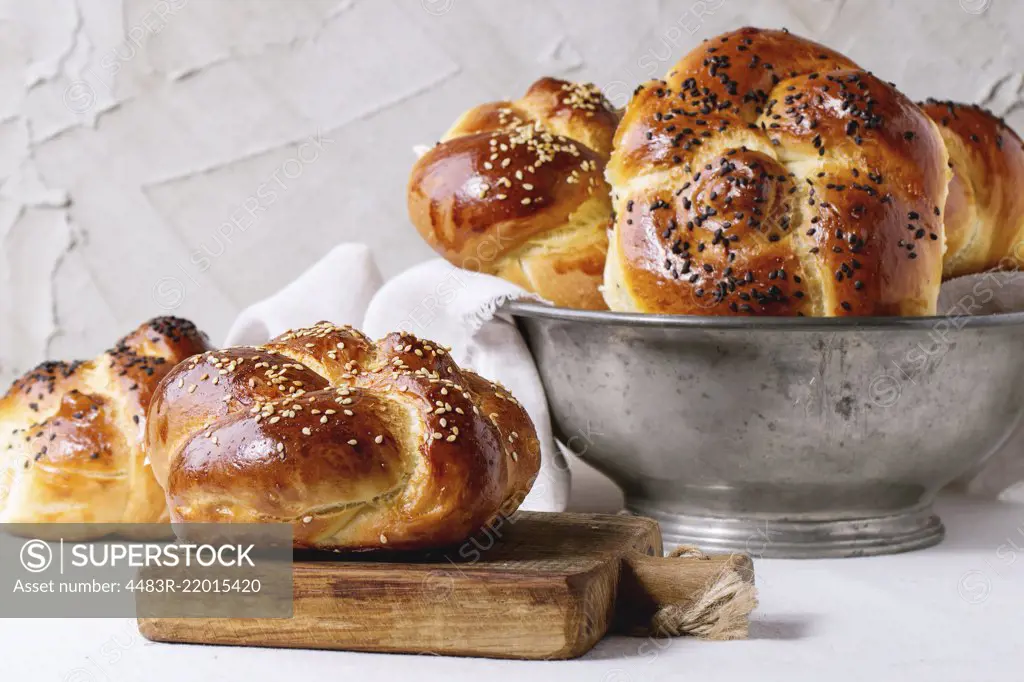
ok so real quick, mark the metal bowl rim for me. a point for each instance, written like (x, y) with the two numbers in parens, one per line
(529, 309)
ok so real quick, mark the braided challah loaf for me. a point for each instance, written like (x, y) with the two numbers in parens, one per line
(768, 175)
(985, 206)
(72, 434)
(517, 190)
(357, 444)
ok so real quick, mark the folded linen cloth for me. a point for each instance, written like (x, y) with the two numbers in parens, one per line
(435, 301)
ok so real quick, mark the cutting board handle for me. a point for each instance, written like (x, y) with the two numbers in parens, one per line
(686, 593)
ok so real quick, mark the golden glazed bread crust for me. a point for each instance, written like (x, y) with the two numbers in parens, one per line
(985, 206)
(768, 175)
(72, 434)
(517, 190)
(357, 444)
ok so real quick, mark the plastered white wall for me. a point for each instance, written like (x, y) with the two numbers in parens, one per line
(191, 156)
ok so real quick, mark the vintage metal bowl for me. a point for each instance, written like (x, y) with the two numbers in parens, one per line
(781, 437)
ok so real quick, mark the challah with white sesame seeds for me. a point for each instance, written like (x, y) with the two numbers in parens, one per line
(517, 189)
(768, 175)
(72, 434)
(359, 445)
(985, 208)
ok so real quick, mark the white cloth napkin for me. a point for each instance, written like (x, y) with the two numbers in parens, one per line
(435, 301)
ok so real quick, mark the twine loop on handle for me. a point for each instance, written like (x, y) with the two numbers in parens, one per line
(687, 552)
(720, 611)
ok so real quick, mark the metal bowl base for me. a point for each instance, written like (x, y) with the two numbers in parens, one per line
(788, 538)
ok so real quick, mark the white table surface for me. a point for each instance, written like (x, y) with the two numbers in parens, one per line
(953, 612)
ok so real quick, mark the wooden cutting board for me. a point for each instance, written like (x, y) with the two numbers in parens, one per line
(537, 586)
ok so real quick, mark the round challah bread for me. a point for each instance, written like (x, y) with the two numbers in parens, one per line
(985, 206)
(72, 434)
(357, 444)
(768, 175)
(517, 190)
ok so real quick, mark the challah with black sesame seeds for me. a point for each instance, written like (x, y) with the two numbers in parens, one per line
(985, 208)
(358, 445)
(517, 190)
(72, 434)
(768, 175)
